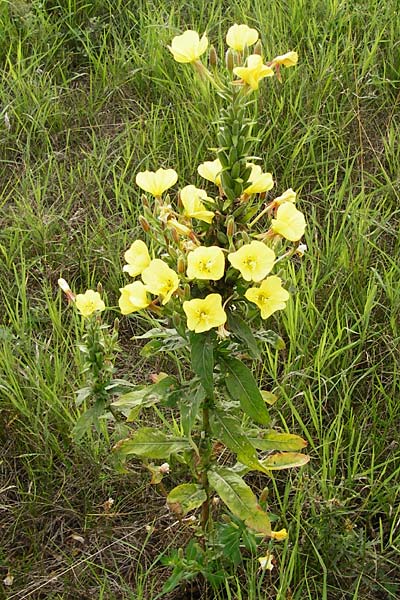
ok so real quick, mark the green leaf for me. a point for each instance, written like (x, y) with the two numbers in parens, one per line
(227, 428)
(242, 386)
(275, 440)
(202, 354)
(149, 442)
(148, 395)
(285, 460)
(272, 338)
(242, 331)
(186, 497)
(239, 498)
(87, 419)
(189, 408)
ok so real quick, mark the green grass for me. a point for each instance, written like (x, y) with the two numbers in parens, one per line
(89, 95)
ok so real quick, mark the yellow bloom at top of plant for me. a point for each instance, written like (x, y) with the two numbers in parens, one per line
(254, 261)
(89, 302)
(259, 181)
(280, 535)
(240, 36)
(211, 170)
(193, 206)
(288, 196)
(133, 298)
(206, 263)
(160, 279)
(289, 59)
(204, 314)
(254, 72)
(188, 47)
(156, 182)
(289, 223)
(137, 257)
(269, 297)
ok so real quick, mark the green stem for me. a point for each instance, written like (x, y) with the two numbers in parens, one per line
(205, 449)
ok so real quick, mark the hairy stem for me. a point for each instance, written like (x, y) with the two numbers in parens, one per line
(205, 450)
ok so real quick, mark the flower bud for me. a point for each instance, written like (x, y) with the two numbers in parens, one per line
(181, 266)
(258, 48)
(212, 57)
(99, 288)
(230, 226)
(144, 223)
(145, 201)
(229, 60)
(66, 289)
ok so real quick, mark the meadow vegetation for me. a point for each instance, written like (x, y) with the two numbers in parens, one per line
(89, 96)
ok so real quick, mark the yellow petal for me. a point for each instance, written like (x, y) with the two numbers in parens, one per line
(156, 182)
(191, 198)
(206, 263)
(89, 302)
(137, 257)
(269, 297)
(289, 59)
(254, 261)
(133, 298)
(188, 47)
(239, 36)
(204, 314)
(254, 72)
(289, 222)
(211, 170)
(160, 279)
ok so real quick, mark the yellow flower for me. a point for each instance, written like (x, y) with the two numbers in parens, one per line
(269, 297)
(188, 47)
(179, 228)
(280, 535)
(157, 182)
(203, 315)
(254, 261)
(160, 280)
(89, 302)
(206, 263)
(288, 196)
(211, 170)
(239, 36)
(289, 222)
(137, 257)
(194, 208)
(287, 60)
(259, 181)
(254, 72)
(267, 562)
(133, 297)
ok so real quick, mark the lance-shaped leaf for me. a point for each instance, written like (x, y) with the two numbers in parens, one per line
(239, 498)
(147, 395)
(275, 440)
(189, 407)
(285, 460)
(149, 442)
(186, 497)
(242, 331)
(242, 386)
(202, 355)
(227, 428)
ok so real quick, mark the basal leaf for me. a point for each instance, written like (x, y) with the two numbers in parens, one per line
(285, 460)
(202, 355)
(186, 497)
(275, 440)
(151, 443)
(242, 386)
(239, 498)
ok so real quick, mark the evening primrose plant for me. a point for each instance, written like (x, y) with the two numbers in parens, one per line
(208, 269)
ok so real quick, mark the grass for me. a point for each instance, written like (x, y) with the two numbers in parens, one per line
(89, 95)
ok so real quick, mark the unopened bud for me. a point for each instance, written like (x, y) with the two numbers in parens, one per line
(144, 223)
(230, 226)
(229, 60)
(181, 266)
(258, 48)
(116, 325)
(145, 201)
(264, 495)
(212, 57)
(66, 289)
(99, 288)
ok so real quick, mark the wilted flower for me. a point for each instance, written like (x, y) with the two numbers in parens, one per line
(239, 36)
(289, 222)
(89, 302)
(204, 314)
(211, 170)
(254, 72)
(156, 182)
(188, 47)
(254, 261)
(280, 535)
(259, 182)
(269, 297)
(137, 257)
(160, 280)
(267, 562)
(194, 208)
(133, 298)
(288, 196)
(206, 263)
